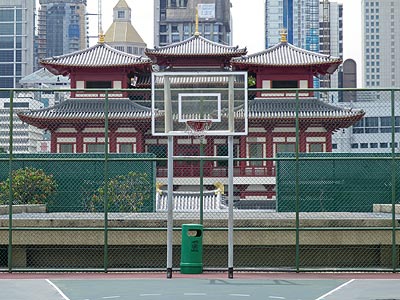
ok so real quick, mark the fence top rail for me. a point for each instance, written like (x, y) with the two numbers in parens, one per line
(252, 89)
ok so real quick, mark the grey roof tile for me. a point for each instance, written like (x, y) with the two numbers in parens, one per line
(100, 55)
(285, 54)
(196, 45)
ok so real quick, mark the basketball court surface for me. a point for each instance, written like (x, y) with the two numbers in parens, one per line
(267, 286)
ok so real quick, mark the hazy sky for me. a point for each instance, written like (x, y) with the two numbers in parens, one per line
(248, 23)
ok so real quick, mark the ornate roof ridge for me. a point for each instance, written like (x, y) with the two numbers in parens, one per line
(193, 51)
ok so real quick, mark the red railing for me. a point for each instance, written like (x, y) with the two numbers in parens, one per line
(194, 171)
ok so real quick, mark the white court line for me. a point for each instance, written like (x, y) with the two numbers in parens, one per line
(111, 297)
(57, 289)
(194, 294)
(336, 289)
(239, 295)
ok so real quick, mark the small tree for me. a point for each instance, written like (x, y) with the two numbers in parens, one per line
(126, 193)
(29, 186)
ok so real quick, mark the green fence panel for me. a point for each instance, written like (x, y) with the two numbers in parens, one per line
(80, 178)
(330, 184)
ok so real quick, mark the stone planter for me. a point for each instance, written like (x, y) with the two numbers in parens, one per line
(23, 208)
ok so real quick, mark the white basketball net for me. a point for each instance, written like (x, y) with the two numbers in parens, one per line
(198, 128)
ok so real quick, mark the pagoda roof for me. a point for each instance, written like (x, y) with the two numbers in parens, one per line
(44, 76)
(196, 46)
(100, 55)
(91, 111)
(310, 110)
(285, 54)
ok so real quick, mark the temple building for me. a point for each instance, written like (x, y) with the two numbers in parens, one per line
(77, 125)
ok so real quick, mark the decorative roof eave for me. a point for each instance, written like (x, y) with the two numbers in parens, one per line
(195, 46)
(284, 55)
(50, 123)
(73, 111)
(331, 120)
(99, 56)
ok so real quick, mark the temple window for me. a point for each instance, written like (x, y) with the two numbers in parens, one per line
(256, 151)
(285, 147)
(126, 148)
(93, 148)
(66, 148)
(282, 84)
(98, 84)
(316, 147)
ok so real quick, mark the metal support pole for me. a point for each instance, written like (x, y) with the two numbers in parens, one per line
(394, 248)
(10, 202)
(230, 207)
(170, 198)
(106, 103)
(297, 184)
(201, 181)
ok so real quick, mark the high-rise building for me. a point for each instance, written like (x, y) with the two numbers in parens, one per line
(174, 20)
(62, 27)
(331, 38)
(299, 17)
(122, 35)
(381, 43)
(16, 42)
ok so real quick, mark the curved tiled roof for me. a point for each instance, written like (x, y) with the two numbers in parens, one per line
(285, 54)
(196, 46)
(91, 110)
(309, 108)
(99, 56)
(44, 76)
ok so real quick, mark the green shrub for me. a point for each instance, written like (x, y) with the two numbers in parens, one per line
(126, 193)
(29, 186)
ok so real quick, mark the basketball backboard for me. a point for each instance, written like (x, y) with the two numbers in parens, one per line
(181, 98)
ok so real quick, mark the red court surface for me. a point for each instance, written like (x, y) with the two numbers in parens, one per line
(204, 275)
(127, 286)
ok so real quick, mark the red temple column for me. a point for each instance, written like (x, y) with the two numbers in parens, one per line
(139, 141)
(303, 139)
(79, 139)
(53, 146)
(269, 150)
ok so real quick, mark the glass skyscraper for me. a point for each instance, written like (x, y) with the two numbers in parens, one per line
(299, 17)
(62, 27)
(174, 20)
(16, 42)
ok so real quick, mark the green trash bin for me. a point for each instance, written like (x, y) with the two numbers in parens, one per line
(192, 249)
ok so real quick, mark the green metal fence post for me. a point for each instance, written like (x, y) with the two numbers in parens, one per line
(10, 202)
(106, 103)
(394, 250)
(297, 184)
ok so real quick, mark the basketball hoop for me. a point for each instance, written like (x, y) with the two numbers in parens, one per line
(198, 127)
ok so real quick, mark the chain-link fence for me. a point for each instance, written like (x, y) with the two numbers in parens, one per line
(84, 183)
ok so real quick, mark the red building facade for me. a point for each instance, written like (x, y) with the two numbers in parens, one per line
(77, 125)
